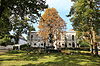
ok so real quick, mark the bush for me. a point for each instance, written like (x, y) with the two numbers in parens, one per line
(6, 40)
(15, 51)
(80, 48)
(84, 44)
(25, 47)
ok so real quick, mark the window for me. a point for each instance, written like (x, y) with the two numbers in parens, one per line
(73, 37)
(34, 43)
(59, 42)
(73, 44)
(63, 44)
(78, 45)
(42, 44)
(69, 44)
(31, 36)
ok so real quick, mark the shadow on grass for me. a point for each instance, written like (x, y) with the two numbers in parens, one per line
(60, 60)
(23, 57)
(70, 60)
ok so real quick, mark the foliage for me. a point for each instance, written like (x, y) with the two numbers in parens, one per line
(83, 37)
(84, 44)
(17, 15)
(25, 47)
(51, 24)
(15, 52)
(23, 7)
(85, 15)
(6, 40)
(5, 27)
(86, 18)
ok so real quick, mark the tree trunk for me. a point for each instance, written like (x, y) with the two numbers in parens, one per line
(94, 41)
(17, 39)
(93, 33)
(96, 49)
(91, 42)
(91, 49)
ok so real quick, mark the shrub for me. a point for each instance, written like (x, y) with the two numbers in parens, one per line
(84, 44)
(25, 47)
(15, 51)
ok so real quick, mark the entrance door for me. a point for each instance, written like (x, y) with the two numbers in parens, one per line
(73, 44)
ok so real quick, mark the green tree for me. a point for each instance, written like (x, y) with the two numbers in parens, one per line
(85, 18)
(17, 14)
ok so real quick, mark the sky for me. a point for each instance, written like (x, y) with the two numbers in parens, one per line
(63, 8)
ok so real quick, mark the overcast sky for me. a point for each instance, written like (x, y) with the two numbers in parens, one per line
(63, 8)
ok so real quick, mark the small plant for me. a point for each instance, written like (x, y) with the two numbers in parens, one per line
(15, 51)
(84, 44)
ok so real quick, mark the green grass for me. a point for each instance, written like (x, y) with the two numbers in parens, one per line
(52, 59)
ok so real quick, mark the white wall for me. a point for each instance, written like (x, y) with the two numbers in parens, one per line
(21, 41)
(37, 44)
(7, 47)
(36, 39)
(69, 39)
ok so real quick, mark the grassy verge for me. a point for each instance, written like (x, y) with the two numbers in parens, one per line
(21, 58)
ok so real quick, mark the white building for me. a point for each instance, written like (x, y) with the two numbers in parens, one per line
(71, 39)
(35, 40)
(68, 39)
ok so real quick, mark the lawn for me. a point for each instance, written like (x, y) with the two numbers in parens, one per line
(51, 59)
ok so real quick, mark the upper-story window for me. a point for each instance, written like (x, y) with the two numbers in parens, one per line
(31, 37)
(73, 37)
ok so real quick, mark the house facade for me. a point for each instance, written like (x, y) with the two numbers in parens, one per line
(71, 39)
(35, 40)
(68, 39)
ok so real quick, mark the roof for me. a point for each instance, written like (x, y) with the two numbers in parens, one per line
(71, 30)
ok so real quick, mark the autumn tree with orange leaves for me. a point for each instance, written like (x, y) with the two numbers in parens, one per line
(51, 25)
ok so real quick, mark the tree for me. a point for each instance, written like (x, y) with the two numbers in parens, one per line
(85, 18)
(6, 40)
(17, 14)
(5, 27)
(51, 25)
(83, 38)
